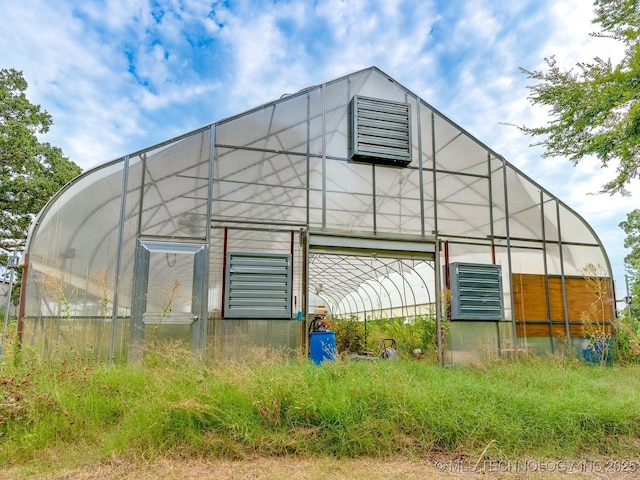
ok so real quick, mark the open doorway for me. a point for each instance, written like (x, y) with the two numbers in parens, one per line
(370, 279)
(363, 285)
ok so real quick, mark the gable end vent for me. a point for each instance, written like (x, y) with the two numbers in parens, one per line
(380, 132)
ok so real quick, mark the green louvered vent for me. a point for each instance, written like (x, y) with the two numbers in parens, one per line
(257, 285)
(380, 132)
(476, 292)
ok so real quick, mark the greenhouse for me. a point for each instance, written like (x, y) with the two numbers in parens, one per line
(355, 195)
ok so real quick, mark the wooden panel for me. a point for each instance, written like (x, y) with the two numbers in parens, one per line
(528, 329)
(583, 301)
(529, 297)
(583, 304)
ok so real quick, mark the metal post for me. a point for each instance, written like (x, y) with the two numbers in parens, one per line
(514, 327)
(365, 330)
(123, 213)
(628, 299)
(11, 264)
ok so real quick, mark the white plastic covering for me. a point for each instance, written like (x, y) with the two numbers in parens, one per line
(274, 175)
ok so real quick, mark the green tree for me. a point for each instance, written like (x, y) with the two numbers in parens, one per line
(631, 227)
(31, 171)
(595, 108)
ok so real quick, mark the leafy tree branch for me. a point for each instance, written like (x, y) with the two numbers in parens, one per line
(31, 171)
(594, 108)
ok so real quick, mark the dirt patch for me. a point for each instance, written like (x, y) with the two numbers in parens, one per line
(273, 468)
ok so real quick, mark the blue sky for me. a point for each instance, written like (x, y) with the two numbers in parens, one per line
(121, 75)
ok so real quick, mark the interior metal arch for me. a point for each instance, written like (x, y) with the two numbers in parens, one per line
(395, 276)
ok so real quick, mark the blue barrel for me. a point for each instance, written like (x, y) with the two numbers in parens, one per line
(597, 351)
(322, 346)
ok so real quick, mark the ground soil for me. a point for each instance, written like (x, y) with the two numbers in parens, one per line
(292, 468)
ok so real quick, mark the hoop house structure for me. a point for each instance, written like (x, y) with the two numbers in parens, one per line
(354, 194)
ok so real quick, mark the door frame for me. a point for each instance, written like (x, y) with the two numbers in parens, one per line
(144, 249)
(328, 243)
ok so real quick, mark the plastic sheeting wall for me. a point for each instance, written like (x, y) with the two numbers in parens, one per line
(273, 174)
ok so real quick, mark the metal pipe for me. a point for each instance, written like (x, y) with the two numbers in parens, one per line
(628, 299)
(562, 277)
(436, 273)
(546, 270)
(373, 198)
(324, 161)
(509, 266)
(420, 167)
(123, 212)
(304, 238)
(6, 310)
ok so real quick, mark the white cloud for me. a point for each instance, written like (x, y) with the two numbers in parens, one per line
(120, 75)
(571, 42)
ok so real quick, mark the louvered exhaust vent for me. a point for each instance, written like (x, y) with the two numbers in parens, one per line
(257, 285)
(476, 292)
(380, 132)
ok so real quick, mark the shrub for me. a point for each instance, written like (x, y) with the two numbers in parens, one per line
(409, 333)
(349, 334)
(627, 341)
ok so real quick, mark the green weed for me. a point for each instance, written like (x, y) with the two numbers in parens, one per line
(67, 413)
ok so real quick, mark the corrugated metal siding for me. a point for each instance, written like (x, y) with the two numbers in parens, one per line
(380, 131)
(257, 285)
(476, 292)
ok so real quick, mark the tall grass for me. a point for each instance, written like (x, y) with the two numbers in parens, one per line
(68, 413)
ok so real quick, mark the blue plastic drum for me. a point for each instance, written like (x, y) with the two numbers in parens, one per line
(322, 346)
